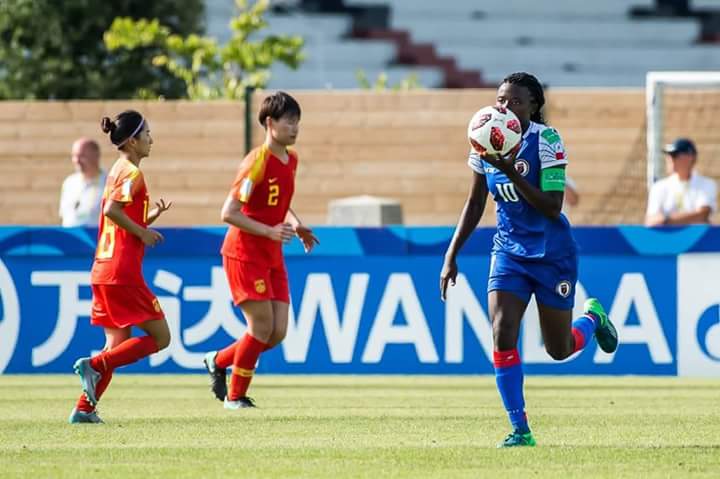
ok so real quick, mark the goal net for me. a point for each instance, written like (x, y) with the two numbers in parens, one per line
(678, 104)
(683, 104)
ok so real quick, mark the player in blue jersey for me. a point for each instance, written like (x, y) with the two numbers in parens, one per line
(533, 250)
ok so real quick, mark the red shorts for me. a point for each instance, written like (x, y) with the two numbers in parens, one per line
(255, 282)
(120, 306)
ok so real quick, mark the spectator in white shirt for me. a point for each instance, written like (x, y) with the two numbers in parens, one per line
(82, 191)
(684, 197)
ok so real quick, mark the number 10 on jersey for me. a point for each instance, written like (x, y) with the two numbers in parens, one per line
(507, 192)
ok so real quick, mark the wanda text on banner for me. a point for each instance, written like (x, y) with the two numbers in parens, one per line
(367, 301)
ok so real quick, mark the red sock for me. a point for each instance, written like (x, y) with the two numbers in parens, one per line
(125, 353)
(579, 339)
(83, 404)
(225, 357)
(246, 355)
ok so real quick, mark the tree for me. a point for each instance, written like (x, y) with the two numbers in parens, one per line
(52, 49)
(210, 71)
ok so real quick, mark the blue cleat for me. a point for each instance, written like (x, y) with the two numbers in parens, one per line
(605, 334)
(88, 377)
(80, 417)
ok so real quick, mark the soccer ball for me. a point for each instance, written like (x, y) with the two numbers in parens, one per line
(494, 130)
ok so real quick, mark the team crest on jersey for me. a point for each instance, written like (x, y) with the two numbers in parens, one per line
(522, 167)
(260, 287)
(563, 288)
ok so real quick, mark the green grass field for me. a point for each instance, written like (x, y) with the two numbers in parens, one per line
(353, 426)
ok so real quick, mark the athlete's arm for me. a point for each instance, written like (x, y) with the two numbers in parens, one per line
(702, 215)
(549, 203)
(114, 211)
(306, 235)
(232, 214)
(292, 218)
(469, 219)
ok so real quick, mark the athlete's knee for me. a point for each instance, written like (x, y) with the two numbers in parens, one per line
(504, 334)
(161, 335)
(115, 340)
(261, 329)
(162, 340)
(277, 337)
(558, 353)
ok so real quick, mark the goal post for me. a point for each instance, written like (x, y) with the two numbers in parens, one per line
(655, 85)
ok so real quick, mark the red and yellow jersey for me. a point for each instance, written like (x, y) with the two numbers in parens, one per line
(265, 185)
(119, 254)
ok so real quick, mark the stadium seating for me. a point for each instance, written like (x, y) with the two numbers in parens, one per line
(596, 45)
(332, 59)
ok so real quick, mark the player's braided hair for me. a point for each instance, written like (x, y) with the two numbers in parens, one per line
(536, 91)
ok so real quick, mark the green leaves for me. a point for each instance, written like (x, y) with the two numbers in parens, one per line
(53, 49)
(208, 70)
(130, 34)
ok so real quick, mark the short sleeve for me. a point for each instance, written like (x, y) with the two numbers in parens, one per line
(708, 195)
(250, 173)
(64, 198)
(551, 149)
(128, 182)
(654, 205)
(475, 162)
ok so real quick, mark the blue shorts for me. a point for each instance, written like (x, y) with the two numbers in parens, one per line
(552, 282)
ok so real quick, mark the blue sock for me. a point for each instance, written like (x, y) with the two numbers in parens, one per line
(509, 379)
(582, 329)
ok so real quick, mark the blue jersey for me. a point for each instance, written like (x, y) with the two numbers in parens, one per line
(523, 231)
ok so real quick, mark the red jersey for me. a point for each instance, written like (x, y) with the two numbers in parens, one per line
(265, 186)
(119, 254)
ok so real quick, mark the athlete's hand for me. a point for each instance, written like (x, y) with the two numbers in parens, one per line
(162, 207)
(447, 276)
(506, 163)
(281, 232)
(151, 237)
(308, 238)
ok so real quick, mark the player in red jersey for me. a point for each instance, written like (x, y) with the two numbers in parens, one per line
(258, 212)
(121, 299)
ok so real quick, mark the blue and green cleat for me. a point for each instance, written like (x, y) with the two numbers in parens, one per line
(518, 439)
(80, 417)
(605, 333)
(88, 377)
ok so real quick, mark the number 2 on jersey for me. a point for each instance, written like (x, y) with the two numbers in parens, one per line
(274, 192)
(507, 192)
